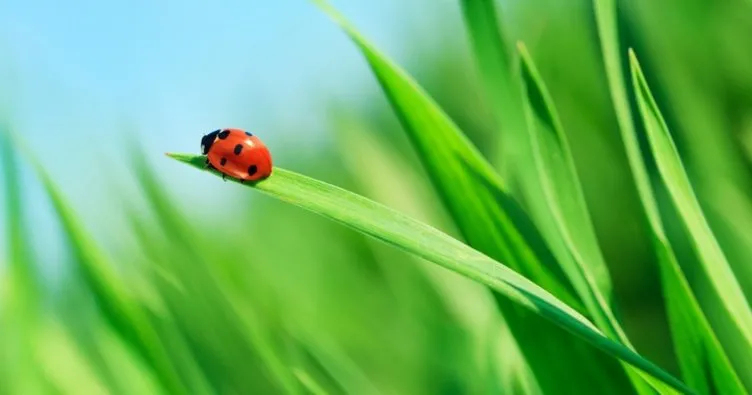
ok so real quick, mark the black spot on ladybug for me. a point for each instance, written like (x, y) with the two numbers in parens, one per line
(238, 149)
(223, 161)
(223, 134)
(249, 134)
(252, 170)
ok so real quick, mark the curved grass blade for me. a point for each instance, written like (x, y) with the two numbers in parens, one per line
(729, 211)
(608, 34)
(391, 227)
(494, 59)
(564, 196)
(734, 315)
(704, 365)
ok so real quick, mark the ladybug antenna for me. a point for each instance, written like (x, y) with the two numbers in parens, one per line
(207, 141)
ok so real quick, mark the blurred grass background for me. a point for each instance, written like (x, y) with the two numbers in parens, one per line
(232, 292)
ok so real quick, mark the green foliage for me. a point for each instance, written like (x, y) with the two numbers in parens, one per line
(704, 364)
(697, 345)
(20, 305)
(460, 268)
(116, 304)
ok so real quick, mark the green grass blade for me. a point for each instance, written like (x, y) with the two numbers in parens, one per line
(564, 195)
(566, 200)
(730, 211)
(494, 59)
(393, 228)
(608, 34)
(733, 311)
(704, 365)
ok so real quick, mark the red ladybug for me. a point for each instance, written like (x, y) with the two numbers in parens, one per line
(237, 153)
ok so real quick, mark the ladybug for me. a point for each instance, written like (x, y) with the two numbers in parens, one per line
(237, 154)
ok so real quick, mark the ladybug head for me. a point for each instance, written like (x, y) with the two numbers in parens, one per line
(207, 141)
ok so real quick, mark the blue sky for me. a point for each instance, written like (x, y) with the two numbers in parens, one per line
(75, 74)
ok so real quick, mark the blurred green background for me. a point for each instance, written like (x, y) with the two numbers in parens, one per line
(238, 287)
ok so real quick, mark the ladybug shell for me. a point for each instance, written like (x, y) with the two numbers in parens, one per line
(240, 155)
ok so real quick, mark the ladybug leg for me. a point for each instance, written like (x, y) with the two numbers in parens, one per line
(224, 177)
